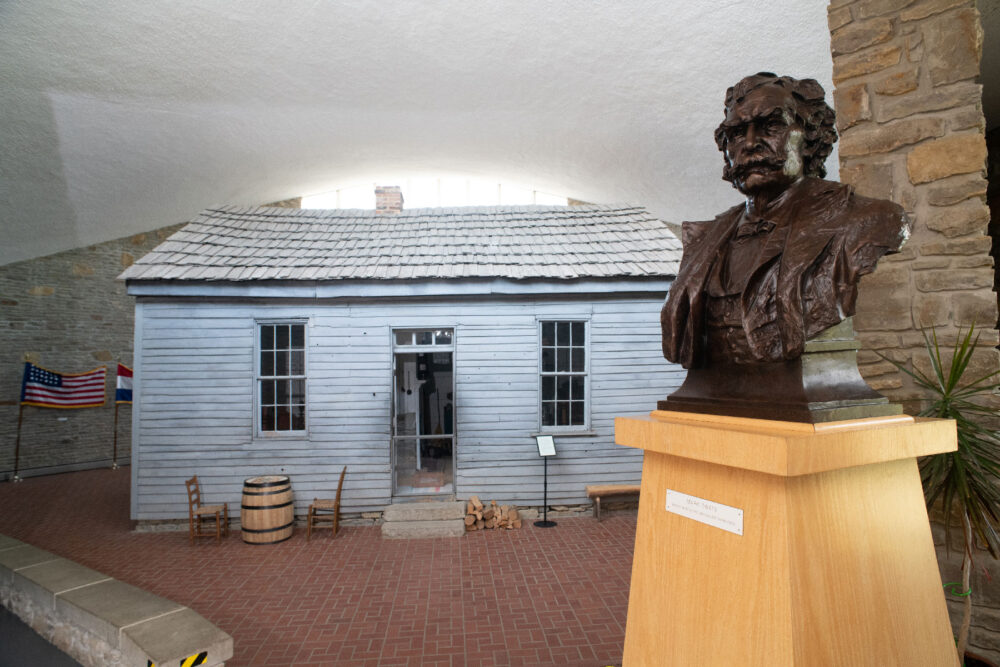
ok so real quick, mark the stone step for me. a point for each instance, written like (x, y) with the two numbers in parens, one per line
(419, 512)
(423, 529)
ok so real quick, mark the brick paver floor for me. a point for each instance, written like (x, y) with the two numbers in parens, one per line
(532, 596)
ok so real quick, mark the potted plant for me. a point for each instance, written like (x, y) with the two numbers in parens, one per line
(963, 481)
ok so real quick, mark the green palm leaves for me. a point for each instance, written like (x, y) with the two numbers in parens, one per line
(964, 480)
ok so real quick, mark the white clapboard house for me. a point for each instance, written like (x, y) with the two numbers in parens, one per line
(424, 350)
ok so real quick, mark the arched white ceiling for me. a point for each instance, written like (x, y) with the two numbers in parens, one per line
(121, 117)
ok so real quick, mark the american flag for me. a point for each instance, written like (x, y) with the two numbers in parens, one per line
(49, 389)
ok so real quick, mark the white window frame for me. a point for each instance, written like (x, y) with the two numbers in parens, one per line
(573, 428)
(258, 378)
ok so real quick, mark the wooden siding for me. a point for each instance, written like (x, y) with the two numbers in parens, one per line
(195, 384)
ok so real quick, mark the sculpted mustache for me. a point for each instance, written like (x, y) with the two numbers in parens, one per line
(770, 162)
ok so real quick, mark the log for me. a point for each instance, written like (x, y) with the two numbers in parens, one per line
(470, 520)
(479, 524)
(476, 502)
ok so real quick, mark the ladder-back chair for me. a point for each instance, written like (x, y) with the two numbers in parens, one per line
(198, 513)
(326, 510)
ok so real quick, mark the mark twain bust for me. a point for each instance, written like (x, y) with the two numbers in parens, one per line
(755, 313)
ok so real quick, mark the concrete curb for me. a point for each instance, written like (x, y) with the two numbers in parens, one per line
(109, 620)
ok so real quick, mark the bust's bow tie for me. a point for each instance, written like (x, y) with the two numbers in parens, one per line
(754, 227)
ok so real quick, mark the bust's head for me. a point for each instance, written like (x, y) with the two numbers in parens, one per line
(777, 129)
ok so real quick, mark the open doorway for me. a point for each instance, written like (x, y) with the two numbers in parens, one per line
(423, 419)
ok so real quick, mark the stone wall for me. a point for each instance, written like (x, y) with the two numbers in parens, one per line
(68, 313)
(912, 130)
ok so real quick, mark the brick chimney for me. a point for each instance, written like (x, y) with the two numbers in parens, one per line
(388, 199)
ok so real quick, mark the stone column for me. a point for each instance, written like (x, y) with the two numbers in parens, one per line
(912, 130)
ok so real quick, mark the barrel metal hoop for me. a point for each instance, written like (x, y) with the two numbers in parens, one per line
(261, 485)
(266, 530)
(265, 507)
(264, 544)
(265, 493)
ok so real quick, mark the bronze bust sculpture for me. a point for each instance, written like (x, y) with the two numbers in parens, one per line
(755, 313)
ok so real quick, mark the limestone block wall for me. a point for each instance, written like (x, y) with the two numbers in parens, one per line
(67, 312)
(912, 130)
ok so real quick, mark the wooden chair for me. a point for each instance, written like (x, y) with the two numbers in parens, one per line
(326, 507)
(198, 513)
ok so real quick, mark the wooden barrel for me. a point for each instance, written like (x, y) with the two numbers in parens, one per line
(267, 513)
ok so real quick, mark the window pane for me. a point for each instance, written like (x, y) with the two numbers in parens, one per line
(298, 392)
(579, 359)
(298, 362)
(579, 338)
(562, 333)
(548, 359)
(443, 338)
(425, 338)
(578, 413)
(281, 391)
(266, 362)
(283, 418)
(548, 414)
(267, 418)
(298, 336)
(267, 337)
(281, 363)
(562, 388)
(299, 418)
(548, 388)
(267, 392)
(548, 333)
(562, 361)
(281, 337)
(404, 338)
(577, 388)
(562, 413)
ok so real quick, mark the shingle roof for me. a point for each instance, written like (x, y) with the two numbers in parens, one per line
(514, 242)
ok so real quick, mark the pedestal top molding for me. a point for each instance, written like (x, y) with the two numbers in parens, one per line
(786, 448)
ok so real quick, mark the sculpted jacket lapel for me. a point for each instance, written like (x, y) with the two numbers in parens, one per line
(703, 242)
(816, 226)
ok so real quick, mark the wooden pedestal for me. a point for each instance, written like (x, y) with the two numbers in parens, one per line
(835, 566)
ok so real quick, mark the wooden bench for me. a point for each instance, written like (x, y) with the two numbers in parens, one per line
(597, 491)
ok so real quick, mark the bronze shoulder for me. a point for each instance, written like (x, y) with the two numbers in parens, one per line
(695, 231)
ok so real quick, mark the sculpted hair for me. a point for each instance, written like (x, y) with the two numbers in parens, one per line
(812, 112)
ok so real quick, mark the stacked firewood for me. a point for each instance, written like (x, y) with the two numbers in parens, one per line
(480, 517)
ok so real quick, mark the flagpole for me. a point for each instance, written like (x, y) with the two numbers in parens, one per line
(17, 445)
(114, 457)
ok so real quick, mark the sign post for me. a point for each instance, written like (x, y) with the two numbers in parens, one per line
(546, 448)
